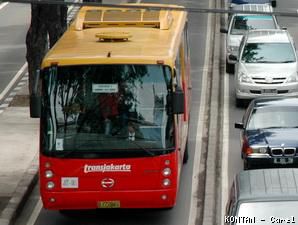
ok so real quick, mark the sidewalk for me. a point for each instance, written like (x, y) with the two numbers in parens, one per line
(19, 141)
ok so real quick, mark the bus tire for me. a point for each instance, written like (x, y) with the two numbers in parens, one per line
(186, 154)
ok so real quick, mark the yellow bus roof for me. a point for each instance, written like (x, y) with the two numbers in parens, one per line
(102, 35)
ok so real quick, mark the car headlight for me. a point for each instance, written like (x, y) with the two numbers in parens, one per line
(259, 149)
(244, 78)
(293, 78)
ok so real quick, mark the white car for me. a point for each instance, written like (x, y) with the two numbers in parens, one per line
(266, 65)
(240, 23)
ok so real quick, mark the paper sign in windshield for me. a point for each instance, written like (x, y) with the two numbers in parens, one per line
(105, 88)
(59, 144)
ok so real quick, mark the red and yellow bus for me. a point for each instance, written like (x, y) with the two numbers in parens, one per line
(115, 99)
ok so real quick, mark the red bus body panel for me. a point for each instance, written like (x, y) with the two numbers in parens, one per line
(137, 186)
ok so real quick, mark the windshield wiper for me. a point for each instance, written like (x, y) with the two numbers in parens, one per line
(273, 127)
(286, 61)
(264, 61)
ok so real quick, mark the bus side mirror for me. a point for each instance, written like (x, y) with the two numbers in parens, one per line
(273, 3)
(35, 98)
(178, 101)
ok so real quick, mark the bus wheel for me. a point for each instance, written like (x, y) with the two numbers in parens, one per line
(186, 155)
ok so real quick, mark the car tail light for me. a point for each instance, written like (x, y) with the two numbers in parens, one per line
(246, 149)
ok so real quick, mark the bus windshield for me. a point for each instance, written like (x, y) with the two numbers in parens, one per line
(106, 110)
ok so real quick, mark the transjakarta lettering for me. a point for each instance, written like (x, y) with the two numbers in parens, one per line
(107, 168)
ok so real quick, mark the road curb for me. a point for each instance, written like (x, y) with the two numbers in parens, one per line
(210, 216)
(21, 194)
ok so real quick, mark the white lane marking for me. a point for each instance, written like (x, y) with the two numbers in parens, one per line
(35, 213)
(2, 5)
(200, 126)
(225, 149)
(13, 81)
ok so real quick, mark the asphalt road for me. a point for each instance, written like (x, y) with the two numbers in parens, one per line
(14, 23)
(234, 114)
(179, 215)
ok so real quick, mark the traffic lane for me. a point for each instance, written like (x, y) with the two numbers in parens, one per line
(179, 214)
(235, 114)
(14, 23)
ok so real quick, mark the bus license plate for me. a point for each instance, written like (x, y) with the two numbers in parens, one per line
(108, 204)
(283, 161)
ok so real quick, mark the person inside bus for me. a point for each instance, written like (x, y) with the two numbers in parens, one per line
(108, 104)
(133, 132)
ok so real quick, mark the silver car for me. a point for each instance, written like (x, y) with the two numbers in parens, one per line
(240, 23)
(266, 65)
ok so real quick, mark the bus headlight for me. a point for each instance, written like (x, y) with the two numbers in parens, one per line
(50, 185)
(166, 172)
(49, 174)
(166, 182)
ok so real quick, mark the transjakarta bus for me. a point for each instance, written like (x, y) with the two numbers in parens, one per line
(115, 110)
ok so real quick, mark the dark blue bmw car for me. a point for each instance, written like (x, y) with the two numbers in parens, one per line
(269, 133)
(238, 2)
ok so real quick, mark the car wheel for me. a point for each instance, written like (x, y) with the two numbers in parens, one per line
(230, 68)
(186, 154)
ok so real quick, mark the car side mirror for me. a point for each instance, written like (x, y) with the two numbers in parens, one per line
(233, 58)
(239, 125)
(223, 30)
(273, 3)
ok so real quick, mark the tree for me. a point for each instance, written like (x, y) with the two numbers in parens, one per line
(48, 22)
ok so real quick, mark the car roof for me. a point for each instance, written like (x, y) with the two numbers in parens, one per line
(268, 36)
(275, 102)
(254, 7)
(267, 184)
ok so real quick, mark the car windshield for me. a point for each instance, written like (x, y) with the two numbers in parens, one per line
(241, 24)
(99, 108)
(268, 53)
(273, 117)
(268, 213)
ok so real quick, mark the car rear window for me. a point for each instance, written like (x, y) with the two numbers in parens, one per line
(241, 24)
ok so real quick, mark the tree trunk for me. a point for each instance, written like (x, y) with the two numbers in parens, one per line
(48, 22)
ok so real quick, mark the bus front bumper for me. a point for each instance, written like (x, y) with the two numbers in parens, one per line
(110, 199)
